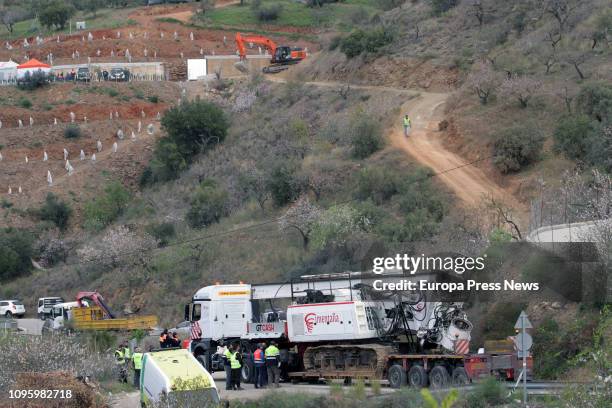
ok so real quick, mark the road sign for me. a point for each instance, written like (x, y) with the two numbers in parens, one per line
(524, 342)
(523, 322)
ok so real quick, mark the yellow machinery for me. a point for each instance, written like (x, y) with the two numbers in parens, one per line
(94, 318)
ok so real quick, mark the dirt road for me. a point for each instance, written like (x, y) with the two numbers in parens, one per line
(468, 182)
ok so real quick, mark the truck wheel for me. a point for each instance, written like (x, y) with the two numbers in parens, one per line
(417, 376)
(397, 376)
(41, 316)
(204, 360)
(438, 377)
(460, 377)
(247, 372)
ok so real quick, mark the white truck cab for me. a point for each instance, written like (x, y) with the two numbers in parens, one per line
(222, 311)
(45, 305)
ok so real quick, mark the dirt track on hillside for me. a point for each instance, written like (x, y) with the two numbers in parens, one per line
(467, 181)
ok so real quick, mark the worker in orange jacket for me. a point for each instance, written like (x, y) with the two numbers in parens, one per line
(259, 362)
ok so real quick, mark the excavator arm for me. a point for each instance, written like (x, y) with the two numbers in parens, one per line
(255, 39)
(97, 299)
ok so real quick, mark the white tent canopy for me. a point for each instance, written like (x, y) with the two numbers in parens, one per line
(8, 70)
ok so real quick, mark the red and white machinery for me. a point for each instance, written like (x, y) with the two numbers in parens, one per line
(338, 326)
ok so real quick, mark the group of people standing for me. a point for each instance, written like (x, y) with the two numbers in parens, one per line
(168, 340)
(266, 362)
(127, 359)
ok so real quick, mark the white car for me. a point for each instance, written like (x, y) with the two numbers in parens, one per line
(10, 308)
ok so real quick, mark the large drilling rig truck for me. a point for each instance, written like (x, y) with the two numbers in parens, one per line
(337, 326)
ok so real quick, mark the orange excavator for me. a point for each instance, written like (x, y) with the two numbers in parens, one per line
(281, 55)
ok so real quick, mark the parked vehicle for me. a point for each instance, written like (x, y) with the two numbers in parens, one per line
(119, 74)
(45, 305)
(172, 377)
(83, 74)
(60, 314)
(12, 308)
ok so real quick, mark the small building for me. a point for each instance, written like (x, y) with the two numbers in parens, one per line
(8, 71)
(32, 66)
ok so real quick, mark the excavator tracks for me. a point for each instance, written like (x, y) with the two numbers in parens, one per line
(345, 361)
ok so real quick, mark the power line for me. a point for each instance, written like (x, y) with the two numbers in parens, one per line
(257, 225)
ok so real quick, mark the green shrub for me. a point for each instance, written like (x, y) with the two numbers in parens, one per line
(377, 183)
(572, 136)
(268, 13)
(517, 147)
(487, 393)
(33, 81)
(195, 127)
(16, 252)
(600, 149)
(153, 99)
(55, 211)
(366, 137)
(167, 163)
(441, 6)
(361, 41)
(163, 232)
(208, 205)
(112, 92)
(25, 103)
(72, 132)
(100, 212)
(595, 100)
(283, 183)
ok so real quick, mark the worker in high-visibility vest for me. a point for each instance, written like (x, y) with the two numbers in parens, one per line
(260, 366)
(407, 125)
(272, 354)
(120, 360)
(227, 358)
(137, 363)
(236, 366)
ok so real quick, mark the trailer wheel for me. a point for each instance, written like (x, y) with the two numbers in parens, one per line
(460, 377)
(397, 376)
(417, 376)
(438, 377)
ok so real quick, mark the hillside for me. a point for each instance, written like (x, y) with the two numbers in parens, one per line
(265, 178)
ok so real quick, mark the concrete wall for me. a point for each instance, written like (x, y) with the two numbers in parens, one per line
(225, 63)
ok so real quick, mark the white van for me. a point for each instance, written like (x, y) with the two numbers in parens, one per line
(45, 305)
(174, 377)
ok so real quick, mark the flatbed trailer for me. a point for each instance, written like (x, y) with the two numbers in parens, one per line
(421, 370)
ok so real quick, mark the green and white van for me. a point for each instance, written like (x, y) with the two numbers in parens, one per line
(175, 379)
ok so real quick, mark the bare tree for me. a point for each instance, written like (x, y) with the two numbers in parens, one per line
(521, 87)
(302, 217)
(546, 56)
(483, 80)
(576, 59)
(554, 37)
(254, 185)
(478, 11)
(567, 95)
(504, 216)
(561, 10)
(10, 16)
